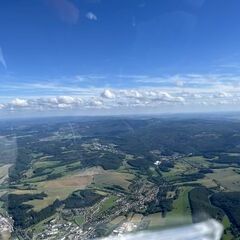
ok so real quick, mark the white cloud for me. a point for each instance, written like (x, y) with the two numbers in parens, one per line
(2, 59)
(53, 100)
(107, 93)
(59, 102)
(63, 105)
(130, 99)
(132, 93)
(222, 95)
(95, 103)
(19, 102)
(91, 16)
(166, 97)
(66, 100)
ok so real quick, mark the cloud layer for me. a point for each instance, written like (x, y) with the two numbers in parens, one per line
(175, 93)
(116, 99)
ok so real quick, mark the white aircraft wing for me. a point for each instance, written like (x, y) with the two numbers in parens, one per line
(208, 230)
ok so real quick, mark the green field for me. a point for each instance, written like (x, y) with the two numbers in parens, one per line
(155, 220)
(197, 161)
(79, 220)
(4, 172)
(108, 203)
(110, 178)
(227, 233)
(227, 178)
(45, 164)
(181, 166)
(60, 188)
(181, 212)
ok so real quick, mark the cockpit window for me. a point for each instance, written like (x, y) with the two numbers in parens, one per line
(119, 118)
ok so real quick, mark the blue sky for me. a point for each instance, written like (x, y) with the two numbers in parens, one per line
(79, 56)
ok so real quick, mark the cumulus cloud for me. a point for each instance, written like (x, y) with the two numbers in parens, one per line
(95, 103)
(108, 94)
(66, 100)
(59, 102)
(2, 59)
(66, 10)
(222, 95)
(107, 99)
(63, 105)
(19, 102)
(150, 96)
(91, 16)
(116, 99)
(164, 95)
(132, 93)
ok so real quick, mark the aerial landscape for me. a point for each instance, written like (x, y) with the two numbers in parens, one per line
(83, 178)
(120, 120)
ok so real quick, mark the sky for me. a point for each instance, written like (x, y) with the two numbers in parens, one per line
(90, 57)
